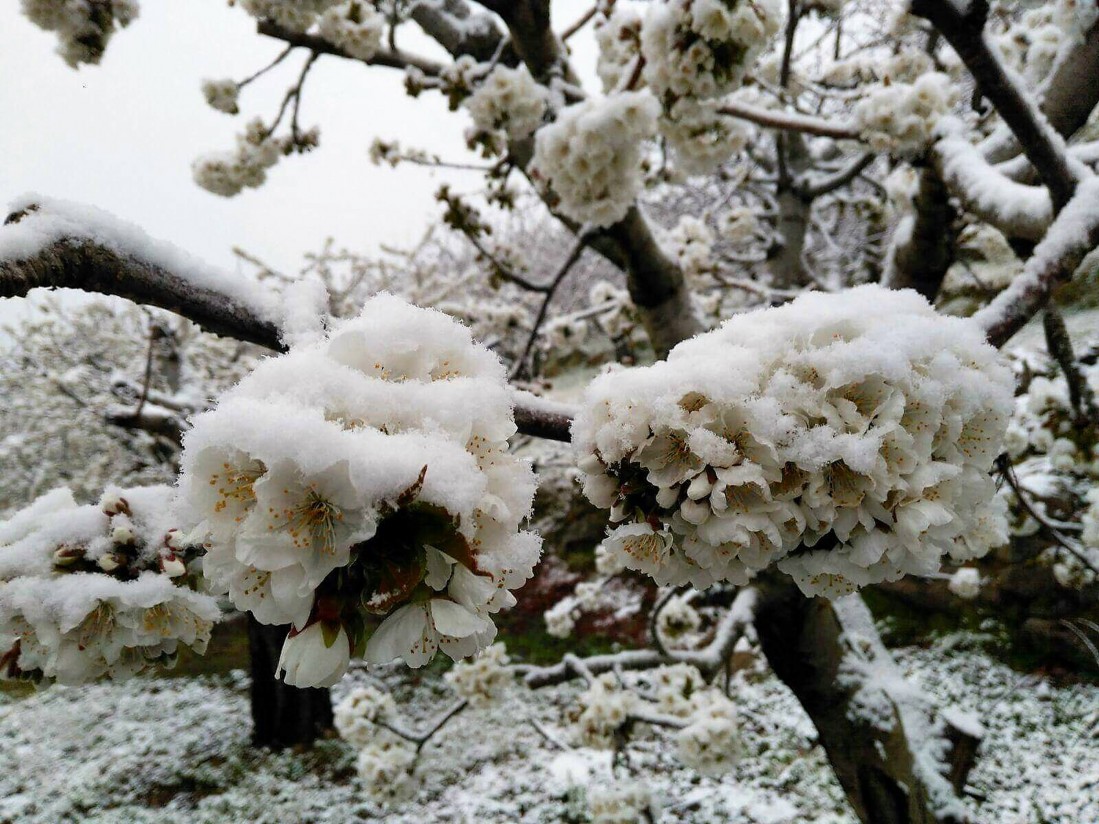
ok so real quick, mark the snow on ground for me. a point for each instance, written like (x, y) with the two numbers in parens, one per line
(176, 750)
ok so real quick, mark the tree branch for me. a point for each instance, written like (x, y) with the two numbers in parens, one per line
(392, 59)
(789, 121)
(1073, 235)
(76, 261)
(962, 24)
(708, 660)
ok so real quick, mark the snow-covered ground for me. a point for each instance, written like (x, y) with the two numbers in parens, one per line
(176, 750)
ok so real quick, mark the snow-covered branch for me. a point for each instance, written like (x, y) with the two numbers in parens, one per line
(962, 24)
(790, 121)
(1073, 235)
(53, 244)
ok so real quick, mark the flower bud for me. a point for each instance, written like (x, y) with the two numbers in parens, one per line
(108, 562)
(123, 534)
(114, 504)
(171, 566)
(66, 555)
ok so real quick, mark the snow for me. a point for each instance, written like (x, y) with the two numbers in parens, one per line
(1068, 239)
(57, 220)
(176, 750)
(1016, 208)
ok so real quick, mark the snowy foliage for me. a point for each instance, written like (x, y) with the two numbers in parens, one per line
(87, 591)
(366, 476)
(846, 439)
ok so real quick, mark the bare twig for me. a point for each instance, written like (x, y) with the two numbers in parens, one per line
(1059, 344)
(1007, 470)
(551, 289)
(391, 59)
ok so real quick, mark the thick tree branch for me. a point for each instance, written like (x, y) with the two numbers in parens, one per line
(1073, 235)
(885, 739)
(962, 24)
(80, 262)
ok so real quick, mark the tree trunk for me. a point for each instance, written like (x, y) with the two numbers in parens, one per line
(922, 248)
(883, 738)
(282, 716)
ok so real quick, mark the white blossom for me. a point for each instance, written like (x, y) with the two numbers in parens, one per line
(355, 26)
(222, 95)
(966, 583)
(484, 677)
(508, 99)
(364, 478)
(845, 439)
(703, 48)
(590, 156)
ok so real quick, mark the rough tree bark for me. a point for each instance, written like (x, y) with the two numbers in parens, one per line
(922, 248)
(811, 644)
(282, 716)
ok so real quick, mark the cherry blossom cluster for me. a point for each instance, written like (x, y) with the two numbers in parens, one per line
(845, 438)
(508, 101)
(354, 26)
(385, 761)
(1031, 43)
(229, 173)
(703, 48)
(677, 696)
(222, 95)
(620, 802)
(83, 27)
(297, 15)
(1056, 463)
(104, 589)
(365, 477)
(900, 118)
(699, 137)
(590, 156)
(482, 679)
(618, 36)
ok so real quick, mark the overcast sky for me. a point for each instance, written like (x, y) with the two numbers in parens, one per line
(122, 135)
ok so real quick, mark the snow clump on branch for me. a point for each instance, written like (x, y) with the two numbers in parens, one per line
(845, 438)
(87, 591)
(591, 156)
(366, 477)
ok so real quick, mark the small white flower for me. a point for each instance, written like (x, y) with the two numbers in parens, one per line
(415, 632)
(309, 660)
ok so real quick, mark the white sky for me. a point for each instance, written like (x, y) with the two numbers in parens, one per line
(122, 135)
